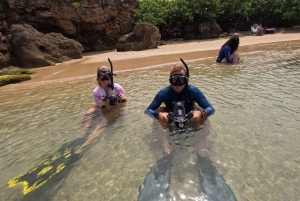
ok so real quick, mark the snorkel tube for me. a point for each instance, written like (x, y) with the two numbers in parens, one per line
(113, 98)
(187, 80)
(112, 75)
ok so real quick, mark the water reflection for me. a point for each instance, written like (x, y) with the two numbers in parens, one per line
(253, 142)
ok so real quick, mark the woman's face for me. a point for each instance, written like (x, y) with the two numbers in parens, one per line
(105, 82)
(178, 89)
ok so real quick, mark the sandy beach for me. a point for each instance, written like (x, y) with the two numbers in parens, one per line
(169, 53)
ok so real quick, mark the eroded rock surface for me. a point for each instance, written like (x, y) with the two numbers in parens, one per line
(35, 49)
(96, 24)
(144, 36)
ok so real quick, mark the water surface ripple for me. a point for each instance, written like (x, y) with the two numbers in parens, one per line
(253, 143)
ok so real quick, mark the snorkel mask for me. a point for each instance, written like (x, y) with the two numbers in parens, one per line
(104, 75)
(178, 80)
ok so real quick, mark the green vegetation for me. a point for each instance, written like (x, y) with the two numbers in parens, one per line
(14, 77)
(28, 72)
(172, 15)
(76, 4)
(162, 12)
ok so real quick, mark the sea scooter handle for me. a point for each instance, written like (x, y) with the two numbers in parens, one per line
(179, 117)
(112, 100)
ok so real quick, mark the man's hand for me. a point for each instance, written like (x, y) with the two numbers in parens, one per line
(196, 116)
(163, 117)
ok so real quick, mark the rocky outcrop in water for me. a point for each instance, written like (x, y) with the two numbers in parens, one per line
(96, 24)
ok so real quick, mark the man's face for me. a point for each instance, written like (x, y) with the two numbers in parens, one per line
(178, 89)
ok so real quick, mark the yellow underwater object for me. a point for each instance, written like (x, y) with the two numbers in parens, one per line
(39, 175)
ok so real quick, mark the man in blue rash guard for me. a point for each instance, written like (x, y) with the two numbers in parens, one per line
(228, 53)
(156, 183)
(180, 91)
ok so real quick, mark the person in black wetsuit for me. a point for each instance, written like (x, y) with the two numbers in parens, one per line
(228, 52)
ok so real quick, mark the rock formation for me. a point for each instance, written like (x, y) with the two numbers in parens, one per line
(209, 30)
(96, 24)
(34, 49)
(203, 30)
(144, 36)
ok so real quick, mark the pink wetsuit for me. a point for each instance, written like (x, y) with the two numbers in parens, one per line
(99, 92)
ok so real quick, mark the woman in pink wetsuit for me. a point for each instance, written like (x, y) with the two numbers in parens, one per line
(93, 127)
(105, 96)
(105, 90)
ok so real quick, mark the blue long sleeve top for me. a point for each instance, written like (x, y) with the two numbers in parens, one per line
(168, 96)
(225, 52)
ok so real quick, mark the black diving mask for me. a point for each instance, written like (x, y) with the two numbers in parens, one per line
(104, 75)
(178, 80)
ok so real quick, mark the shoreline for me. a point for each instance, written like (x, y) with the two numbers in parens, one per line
(169, 53)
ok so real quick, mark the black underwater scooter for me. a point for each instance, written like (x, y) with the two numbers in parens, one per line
(178, 115)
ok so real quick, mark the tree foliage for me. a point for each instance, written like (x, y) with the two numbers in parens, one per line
(289, 9)
(171, 15)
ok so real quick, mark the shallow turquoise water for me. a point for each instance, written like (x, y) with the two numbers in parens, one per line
(253, 142)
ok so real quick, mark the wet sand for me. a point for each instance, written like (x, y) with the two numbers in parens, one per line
(169, 53)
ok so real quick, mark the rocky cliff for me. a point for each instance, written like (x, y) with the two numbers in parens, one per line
(96, 24)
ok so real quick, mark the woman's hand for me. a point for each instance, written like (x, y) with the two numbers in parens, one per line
(121, 98)
(102, 102)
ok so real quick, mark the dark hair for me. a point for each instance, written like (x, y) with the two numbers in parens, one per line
(233, 43)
